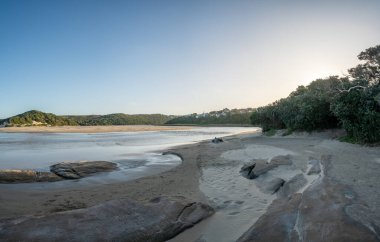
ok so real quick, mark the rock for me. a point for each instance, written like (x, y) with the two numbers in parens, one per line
(292, 186)
(263, 167)
(272, 186)
(76, 170)
(281, 160)
(26, 176)
(277, 223)
(319, 214)
(315, 167)
(247, 170)
(217, 140)
(255, 168)
(118, 220)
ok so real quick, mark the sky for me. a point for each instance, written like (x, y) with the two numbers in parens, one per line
(173, 57)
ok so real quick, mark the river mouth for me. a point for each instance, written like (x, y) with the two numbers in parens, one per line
(137, 154)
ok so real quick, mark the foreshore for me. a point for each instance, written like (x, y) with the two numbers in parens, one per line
(340, 203)
(90, 129)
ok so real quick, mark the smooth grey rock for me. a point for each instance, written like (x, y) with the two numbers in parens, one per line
(255, 168)
(246, 170)
(118, 220)
(272, 186)
(277, 223)
(292, 186)
(319, 214)
(315, 167)
(76, 170)
(281, 160)
(26, 176)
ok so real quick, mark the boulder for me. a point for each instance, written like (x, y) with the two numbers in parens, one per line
(292, 186)
(217, 140)
(118, 220)
(247, 170)
(76, 170)
(26, 176)
(255, 168)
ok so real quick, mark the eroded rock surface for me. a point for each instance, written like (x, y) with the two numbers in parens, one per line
(26, 176)
(119, 220)
(292, 186)
(76, 170)
(325, 211)
(60, 171)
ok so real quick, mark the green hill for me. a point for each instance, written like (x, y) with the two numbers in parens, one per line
(35, 118)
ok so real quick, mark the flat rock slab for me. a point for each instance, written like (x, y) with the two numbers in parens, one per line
(76, 170)
(26, 176)
(272, 186)
(321, 213)
(58, 172)
(277, 223)
(118, 220)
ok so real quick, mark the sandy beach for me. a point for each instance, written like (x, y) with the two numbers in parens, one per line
(90, 129)
(209, 173)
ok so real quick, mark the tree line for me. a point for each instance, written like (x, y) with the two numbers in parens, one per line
(351, 102)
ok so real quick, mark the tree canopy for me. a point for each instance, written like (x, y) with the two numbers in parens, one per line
(351, 102)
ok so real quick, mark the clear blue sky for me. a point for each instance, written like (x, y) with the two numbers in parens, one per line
(173, 57)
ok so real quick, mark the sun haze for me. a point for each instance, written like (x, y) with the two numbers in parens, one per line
(173, 57)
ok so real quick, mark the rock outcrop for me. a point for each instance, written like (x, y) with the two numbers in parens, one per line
(59, 172)
(323, 212)
(26, 176)
(119, 220)
(76, 170)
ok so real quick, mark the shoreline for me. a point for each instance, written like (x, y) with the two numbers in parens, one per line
(353, 167)
(91, 129)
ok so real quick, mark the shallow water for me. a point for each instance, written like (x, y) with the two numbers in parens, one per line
(136, 153)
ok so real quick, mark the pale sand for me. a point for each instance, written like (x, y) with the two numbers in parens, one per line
(352, 165)
(90, 129)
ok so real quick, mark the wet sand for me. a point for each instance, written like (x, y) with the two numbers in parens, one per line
(209, 173)
(90, 129)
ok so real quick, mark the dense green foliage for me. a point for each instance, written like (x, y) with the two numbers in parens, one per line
(222, 117)
(35, 117)
(351, 102)
(125, 119)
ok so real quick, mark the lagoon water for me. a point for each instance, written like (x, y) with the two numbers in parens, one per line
(136, 153)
